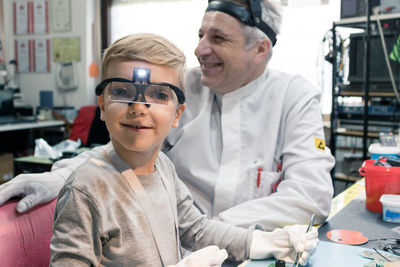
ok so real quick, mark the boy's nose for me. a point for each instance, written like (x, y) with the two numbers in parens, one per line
(138, 108)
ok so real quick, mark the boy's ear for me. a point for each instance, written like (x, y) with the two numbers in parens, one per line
(100, 101)
(178, 115)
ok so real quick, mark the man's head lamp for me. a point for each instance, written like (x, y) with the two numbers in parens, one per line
(250, 17)
(140, 89)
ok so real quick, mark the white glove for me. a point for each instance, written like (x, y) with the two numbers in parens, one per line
(284, 243)
(205, 257)
(36, 188)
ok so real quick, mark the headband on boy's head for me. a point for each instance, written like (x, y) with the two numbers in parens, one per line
(140, 89)
(251, 18)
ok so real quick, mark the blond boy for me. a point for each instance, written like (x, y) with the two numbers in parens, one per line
(126, 206)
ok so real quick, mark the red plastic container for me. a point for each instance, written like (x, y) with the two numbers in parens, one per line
(379, 180)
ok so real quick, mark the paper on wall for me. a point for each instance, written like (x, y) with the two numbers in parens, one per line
(20, 10)
(41, 55)
(22, 55)
(40, 17)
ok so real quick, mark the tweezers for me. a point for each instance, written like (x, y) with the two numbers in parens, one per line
(298, 255)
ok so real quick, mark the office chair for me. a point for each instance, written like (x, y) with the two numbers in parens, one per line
(89, 128)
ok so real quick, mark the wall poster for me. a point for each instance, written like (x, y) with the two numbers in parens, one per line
(21, 21)
(22, 55)
(66, 49)
(61, 15)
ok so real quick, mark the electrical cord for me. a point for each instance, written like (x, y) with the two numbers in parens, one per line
(380, 254)
(395, 108)
(320, 63)
(391, 245)
(329, 56)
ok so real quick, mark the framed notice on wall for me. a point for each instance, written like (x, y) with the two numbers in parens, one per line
(41, 55)
(20, 12)
(32, 55)
(31, 17)
(61, 15)
(22, 55)
(66, 49)
(40, 16)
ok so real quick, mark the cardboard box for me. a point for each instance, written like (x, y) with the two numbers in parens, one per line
(6, 167)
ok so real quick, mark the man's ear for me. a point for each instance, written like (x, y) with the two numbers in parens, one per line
(263, 48)
(100, 101)
(178, 115)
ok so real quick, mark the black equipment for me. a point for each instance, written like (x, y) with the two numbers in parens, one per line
(379, 78)
(355, 8)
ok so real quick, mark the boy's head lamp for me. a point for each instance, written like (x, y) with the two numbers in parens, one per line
(250, 17)
(140, 89)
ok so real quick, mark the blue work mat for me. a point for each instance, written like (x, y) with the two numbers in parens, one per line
(328, 254)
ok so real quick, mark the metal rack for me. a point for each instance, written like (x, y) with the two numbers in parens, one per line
(363, 23)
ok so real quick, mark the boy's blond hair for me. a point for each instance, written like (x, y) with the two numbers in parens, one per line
(148, 47)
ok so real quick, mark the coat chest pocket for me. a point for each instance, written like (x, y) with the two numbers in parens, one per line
(261, 183)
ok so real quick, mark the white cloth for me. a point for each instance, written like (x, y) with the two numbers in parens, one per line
(36, 188)
(210, 256)
(222, 142)
(284, 243)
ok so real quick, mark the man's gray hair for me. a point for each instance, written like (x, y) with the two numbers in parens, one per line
(270, 15)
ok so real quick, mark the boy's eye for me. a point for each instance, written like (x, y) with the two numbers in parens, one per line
(120, 92)
(158, 93)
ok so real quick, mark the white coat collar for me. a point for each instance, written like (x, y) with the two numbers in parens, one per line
(244, 91)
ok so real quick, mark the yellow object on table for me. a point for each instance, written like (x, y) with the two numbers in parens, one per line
(357, 190)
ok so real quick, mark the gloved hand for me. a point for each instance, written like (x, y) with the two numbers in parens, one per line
(284, 243)
(205, 257)
(36, 188)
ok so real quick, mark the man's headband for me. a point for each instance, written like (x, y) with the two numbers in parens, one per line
(251, 18)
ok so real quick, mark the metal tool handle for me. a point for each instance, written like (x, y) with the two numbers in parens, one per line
(298, 255)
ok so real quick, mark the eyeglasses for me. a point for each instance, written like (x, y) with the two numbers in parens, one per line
(126, 91)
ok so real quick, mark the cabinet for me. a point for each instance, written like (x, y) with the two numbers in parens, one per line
(355, 126)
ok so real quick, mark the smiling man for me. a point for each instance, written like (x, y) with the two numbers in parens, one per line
(250, 144)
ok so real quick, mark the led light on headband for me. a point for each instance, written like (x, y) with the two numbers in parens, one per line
(250, 17)
(140, 89)
(141, 75)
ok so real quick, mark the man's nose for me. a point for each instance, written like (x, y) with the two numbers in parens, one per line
(203, 48)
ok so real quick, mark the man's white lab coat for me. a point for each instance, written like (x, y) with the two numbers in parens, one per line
(228, 148)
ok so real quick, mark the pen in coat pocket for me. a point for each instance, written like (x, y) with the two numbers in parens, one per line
(259, 176)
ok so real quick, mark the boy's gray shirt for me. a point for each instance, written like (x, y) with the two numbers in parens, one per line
(98, 221)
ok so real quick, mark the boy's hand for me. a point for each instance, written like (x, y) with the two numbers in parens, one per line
(284, 243)
(205, 257)
(35, 188)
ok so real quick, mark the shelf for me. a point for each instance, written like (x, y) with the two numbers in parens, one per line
(355, 133)
(361, 123)
(359, 20)
(349, 148)
(393, 119)
(371, 94)
(344, 177)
